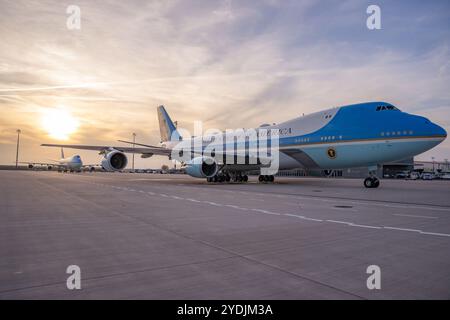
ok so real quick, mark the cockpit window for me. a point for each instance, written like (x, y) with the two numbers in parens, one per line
(382, 108)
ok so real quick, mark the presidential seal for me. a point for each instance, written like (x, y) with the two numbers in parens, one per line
(331, 153)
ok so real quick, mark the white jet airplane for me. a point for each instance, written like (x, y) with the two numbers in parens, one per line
(365, 134)
(71, 164)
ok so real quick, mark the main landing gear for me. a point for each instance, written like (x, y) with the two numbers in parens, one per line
(226, 177)
(264, 178)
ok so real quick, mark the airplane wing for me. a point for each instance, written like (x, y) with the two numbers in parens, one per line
(150, 150)
(239, 159)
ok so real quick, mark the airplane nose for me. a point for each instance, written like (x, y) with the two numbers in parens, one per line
(440, 131)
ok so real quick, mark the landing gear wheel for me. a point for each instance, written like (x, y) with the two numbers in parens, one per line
(261, 178)
(245, 178)
(376, 183)
(371, 182)
(271, 178)
(368, 182)
(209, 179)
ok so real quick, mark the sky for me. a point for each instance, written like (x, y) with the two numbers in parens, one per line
(227, 63)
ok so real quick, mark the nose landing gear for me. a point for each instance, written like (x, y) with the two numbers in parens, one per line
(372, 181)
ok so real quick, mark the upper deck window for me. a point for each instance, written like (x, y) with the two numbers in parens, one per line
(382, 108)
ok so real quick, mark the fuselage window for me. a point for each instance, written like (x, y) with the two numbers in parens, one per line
(381, 108)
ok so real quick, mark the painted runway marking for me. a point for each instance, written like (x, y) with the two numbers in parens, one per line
(402, 229)
(302, 217)
(414, 216)
(351, 224)
(266, 212)
(335, 221)
(213, 203)
(435, 234)
(363, 226)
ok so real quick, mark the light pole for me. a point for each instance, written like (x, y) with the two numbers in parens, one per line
(17, 148)
(175, 161)
(134, 140)
(432, 158)
(446, 164)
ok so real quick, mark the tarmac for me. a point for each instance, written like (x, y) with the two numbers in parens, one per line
(161, 236)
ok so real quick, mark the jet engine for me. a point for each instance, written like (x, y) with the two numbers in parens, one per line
(201, 167)
(114, 161)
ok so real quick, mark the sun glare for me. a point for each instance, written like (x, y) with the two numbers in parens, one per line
(59, 123)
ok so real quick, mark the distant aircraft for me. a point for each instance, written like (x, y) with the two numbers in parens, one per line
(71, 164)
(365, 134)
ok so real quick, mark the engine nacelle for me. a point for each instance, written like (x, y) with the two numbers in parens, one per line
(49, 168)
(114, 161)
(30, 166)
(202, 167)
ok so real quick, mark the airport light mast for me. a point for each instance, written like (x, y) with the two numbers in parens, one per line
(17, 148)
(134, 140)
(176, 127)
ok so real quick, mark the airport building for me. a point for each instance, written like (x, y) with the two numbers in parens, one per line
(386, 170)
(432, 166)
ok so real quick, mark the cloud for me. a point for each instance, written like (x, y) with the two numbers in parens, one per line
(229, 63)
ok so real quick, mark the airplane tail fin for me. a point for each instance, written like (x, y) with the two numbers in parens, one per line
(167, 128)
(62, 153)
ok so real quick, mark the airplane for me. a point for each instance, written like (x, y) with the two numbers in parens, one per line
(71, 164)
(365, 134)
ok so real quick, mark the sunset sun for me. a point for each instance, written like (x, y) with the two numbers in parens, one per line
(59, 123)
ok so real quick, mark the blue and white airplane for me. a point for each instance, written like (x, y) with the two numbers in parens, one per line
(365, 134)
